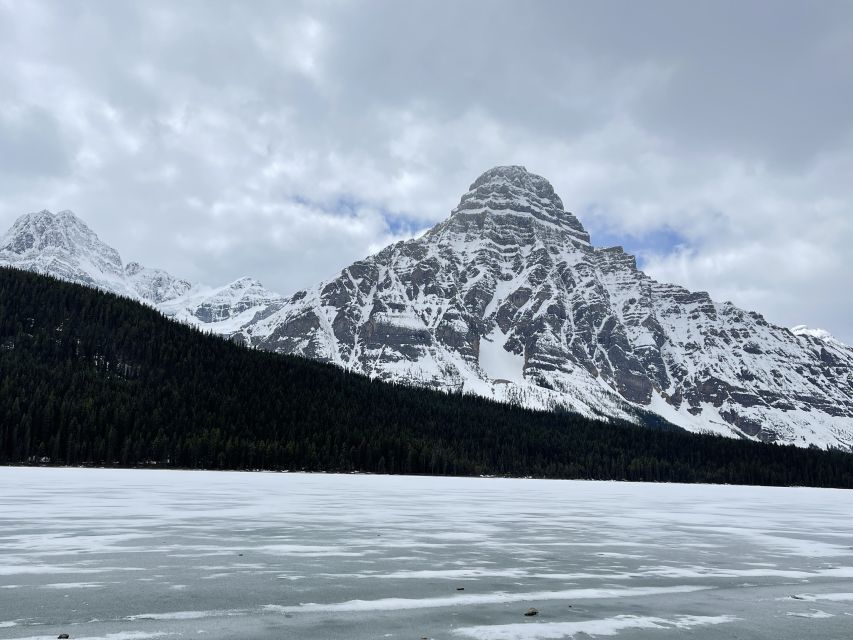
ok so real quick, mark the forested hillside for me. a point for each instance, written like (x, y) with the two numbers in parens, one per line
(91, 378)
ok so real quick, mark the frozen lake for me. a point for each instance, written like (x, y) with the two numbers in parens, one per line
(127, 554)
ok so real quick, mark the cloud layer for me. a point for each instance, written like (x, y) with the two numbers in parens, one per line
(283, 141)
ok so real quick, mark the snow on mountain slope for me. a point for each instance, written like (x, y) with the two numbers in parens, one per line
(822, 336)
(63, 246)
(511, 281)
(155, 286)
(507, 299)
(224, 310)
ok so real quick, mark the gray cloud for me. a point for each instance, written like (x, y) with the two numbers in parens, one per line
(31, 144)
(221, 139)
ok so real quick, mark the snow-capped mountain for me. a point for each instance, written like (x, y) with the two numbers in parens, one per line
(62, 245)
(154, 286)
(224, 310)
(508, 299)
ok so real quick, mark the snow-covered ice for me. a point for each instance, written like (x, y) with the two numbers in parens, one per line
(126, 554)
(605, 627)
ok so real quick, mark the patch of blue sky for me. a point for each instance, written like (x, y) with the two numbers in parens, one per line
(654, 242)
(399, 224)
(343, 205)
(662, 240)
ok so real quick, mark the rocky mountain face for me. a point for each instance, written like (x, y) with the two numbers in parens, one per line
(62, 245)
(508, 299)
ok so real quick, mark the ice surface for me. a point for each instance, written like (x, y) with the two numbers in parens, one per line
(837, 597)
(606, 627)
(122, 635)
(135, 554)
(400, 604)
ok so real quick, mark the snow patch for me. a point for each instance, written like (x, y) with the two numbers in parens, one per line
(497, 361)
(397, 604)
(600, 627)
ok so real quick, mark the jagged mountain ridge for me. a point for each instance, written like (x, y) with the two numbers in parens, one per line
(507, 298)
(62, 245)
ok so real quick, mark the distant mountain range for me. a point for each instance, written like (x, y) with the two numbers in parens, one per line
(507, 299)
(63, 246)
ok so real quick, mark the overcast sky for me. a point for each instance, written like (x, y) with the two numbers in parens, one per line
(286, 140)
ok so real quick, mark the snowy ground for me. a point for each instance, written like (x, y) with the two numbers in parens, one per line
(125, 555)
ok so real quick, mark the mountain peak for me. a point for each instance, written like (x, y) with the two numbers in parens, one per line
(62, 245)
(45, 231)
(513, 191)
(47, 215)
(516, 179)
(514, 174)
(246, 282)
(49, 226)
